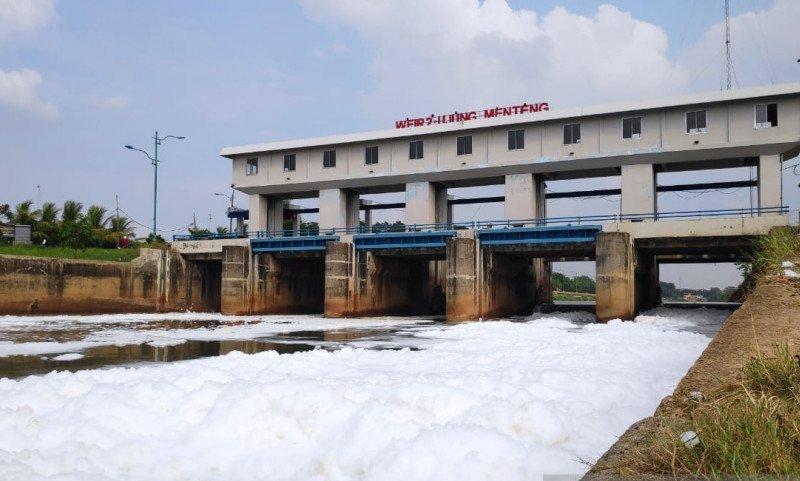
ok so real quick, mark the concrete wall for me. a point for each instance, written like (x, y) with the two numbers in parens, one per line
(156, 281)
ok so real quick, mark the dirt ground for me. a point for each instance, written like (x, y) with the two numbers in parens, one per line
(769, 315)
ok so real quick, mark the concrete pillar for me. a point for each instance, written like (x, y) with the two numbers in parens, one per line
(239, 226)
(340, 279)
(770, 193)
(367, 214)
(426, 203)
(638, 189)
(235, 289)
(616, 296)
(462, 302)
(338, 208)
(542, 278)
(525, 197)
(266, 213)
(258, 213)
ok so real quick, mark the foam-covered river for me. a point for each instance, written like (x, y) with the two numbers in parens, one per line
(300, 397)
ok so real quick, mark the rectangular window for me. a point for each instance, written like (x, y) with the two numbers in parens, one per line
(371, 155)
(329, 158)
(632, 128)
(696, 122)
(289, 162)
(464, 145)
(415, 149)
(572, 134)
(766, 115)
(516, 139)
(251, 168)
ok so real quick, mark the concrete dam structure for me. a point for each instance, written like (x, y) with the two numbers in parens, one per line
(483, 269)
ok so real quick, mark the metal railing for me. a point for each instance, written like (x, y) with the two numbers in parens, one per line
(494, 224)
(209, 236)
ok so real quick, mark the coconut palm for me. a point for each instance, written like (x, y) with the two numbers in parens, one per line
(72, 211)
(222, 230)
(25, 214)
(50, 212)
(96, 217)
(120, 225)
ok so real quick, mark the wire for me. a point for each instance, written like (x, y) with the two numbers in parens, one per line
(165, 231)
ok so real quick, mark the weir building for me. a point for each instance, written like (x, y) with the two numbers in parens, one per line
(480, 270)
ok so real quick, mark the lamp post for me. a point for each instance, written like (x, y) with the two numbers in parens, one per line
(230, 209)
(154, 161)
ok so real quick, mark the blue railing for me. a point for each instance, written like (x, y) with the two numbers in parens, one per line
(494, 224)
(211, 236)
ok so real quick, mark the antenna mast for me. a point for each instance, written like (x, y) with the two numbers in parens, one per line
(727, 45)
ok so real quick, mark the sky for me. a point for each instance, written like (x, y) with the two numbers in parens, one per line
(79, 80)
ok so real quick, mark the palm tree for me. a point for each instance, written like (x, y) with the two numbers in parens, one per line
(96, 217)
(50, 212)
(222, 230)
(120, 225)
(72, 211)
(23, 213)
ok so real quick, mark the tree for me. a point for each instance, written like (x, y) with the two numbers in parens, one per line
(5, 212)
(72, 211)
(50, 212)
(24, 214)
(120, 225)
(222, 230)
(95, 217)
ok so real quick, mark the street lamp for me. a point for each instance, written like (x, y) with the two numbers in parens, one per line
(230, 209)
(154, 161)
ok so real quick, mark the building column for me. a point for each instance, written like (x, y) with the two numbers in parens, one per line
(367, 214)
(638, 189)
(338, 208)
(770, 188)
(266, 213)
(426, 203)
(615, 264)
(525, 197)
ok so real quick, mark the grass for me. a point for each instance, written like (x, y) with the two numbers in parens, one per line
(92, 253)
(772, 249)
(748, 429)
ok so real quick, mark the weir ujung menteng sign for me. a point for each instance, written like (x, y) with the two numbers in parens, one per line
(472, 115)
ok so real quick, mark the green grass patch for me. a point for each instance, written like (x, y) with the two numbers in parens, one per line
(91, 253)
(749, 429)
(772, 249)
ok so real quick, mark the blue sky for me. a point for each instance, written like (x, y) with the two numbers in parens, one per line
(78, 80)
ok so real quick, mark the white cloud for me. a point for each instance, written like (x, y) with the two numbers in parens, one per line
(432, 56)
(462, 53)
(25, 15)
(18, 91)
(115, 102)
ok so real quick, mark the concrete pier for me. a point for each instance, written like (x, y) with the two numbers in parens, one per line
(339, 279)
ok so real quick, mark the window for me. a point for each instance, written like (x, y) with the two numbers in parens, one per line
(516, 139)
(464, 145)
(251, 168)
(696, 122)
(371, 155)
(632, 128)
(415, 149)
(289, 162)
(329, 158)
(766, 115)
(572, 134)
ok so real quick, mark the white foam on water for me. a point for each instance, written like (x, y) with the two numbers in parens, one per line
(487, 400)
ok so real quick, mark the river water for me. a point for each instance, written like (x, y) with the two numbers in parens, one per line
(302, 397)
